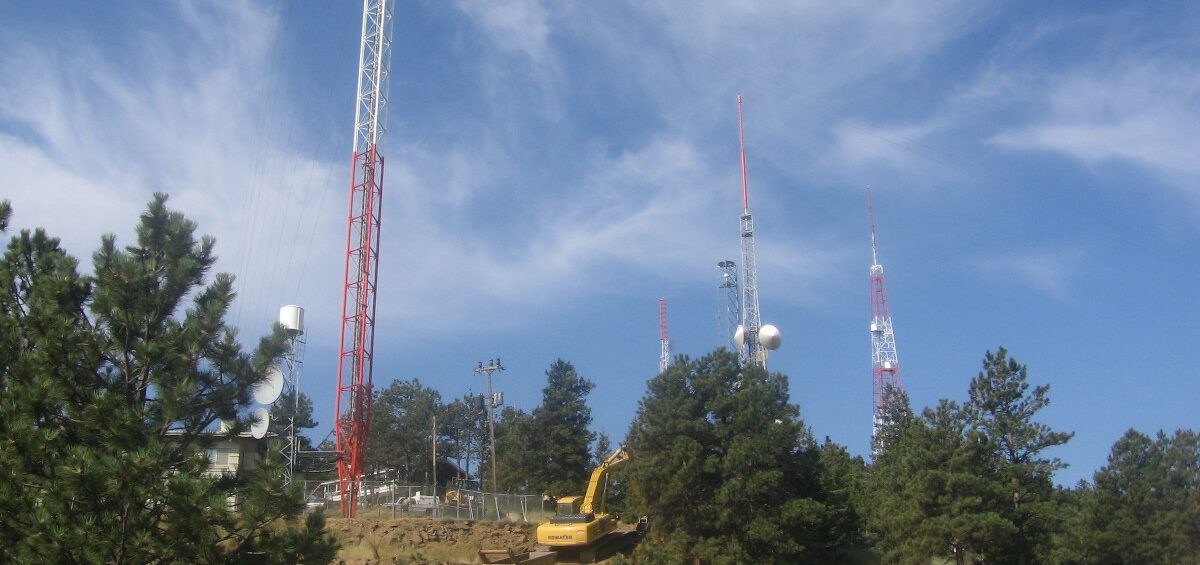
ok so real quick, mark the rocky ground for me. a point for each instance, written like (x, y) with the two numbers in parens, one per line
(424, 540)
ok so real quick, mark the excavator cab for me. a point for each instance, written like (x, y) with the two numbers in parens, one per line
(568, 511)
(568, 505)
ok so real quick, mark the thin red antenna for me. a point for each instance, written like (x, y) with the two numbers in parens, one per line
(742, 140)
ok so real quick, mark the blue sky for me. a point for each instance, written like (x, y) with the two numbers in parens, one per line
(554, 168)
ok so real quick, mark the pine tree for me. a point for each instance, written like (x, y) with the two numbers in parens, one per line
(1145, 504)
(562, 442)
(109, 387)
(1002, 407)
(934, 487)
(302, 410)
(465, 431)
(517, 462)
(603, 449)
(728, 471)
(399, 442)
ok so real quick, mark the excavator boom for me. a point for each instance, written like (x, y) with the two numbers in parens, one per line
(595, 485)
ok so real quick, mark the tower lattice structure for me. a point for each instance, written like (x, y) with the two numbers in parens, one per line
(729, 303)
(293, 360)
(884, 360)
(664, 357)
(752, 353)
(357, 336)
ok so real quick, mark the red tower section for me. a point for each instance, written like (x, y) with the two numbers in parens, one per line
(358, 323)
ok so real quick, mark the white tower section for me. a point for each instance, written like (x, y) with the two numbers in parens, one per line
(664, 356)
(291, 317)
(374, 56)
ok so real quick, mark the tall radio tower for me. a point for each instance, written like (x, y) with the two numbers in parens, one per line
(664, 358)
(885, 363)
(353, 418)
(752, 338)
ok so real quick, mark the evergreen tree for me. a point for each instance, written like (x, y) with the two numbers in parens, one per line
(1002, 407)
(399, 443)
(562, 442)
(1145, 504)
(517, 460)
(108, 387)
(603, 449)
(934, 487)
(465, 431)
(287, 406)
(843, 484)
(728, 471)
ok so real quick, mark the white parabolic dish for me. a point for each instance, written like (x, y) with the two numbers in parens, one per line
(270, 388)
(739, 337)
(262, 419)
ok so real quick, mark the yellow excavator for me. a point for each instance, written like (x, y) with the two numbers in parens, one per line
(580, 531)
(581, 521)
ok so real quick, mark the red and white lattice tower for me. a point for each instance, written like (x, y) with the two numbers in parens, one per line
(885, 363)
(664, 358)
(362, 252)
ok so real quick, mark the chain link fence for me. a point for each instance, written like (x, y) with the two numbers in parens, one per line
(390, 499)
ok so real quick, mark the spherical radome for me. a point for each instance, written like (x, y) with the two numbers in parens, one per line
(769, 337)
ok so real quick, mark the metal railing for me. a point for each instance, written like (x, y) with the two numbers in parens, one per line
(384, 499)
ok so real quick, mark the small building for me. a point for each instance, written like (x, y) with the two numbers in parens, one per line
(233, 455)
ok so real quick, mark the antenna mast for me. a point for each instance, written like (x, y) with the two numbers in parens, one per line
(885, 363)
(664, 358)
(357, 336)
(752, 352)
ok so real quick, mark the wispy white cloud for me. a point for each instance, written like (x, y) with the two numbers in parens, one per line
(1144, 112)
(519, 27)
(94, 134)
(857, 144)
(519, 31)
(1049, 271)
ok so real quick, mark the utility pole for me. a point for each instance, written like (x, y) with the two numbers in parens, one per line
(435, 483)
(492, 366)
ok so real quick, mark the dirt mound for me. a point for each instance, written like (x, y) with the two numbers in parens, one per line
(424, 540)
